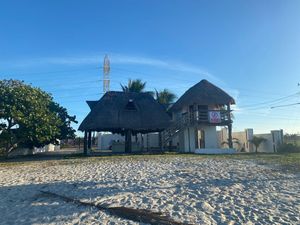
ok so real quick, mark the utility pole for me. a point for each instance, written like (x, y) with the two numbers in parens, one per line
(106, 70)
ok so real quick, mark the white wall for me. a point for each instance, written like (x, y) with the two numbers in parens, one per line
(187, 138)
(266, 146)
(106, 139)
(277, 138)
(273, 140)
(211, 140)
(222, 136)
(149, 141)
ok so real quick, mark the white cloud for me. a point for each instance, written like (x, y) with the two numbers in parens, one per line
(123, 59)
(116, 59)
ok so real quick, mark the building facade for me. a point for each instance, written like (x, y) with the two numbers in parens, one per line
(196, 115)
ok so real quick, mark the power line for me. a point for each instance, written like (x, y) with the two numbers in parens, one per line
(124, 70)
(271, 101)
(253, 106)
(279, 106)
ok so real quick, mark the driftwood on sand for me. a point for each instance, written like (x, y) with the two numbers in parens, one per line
(137, 215)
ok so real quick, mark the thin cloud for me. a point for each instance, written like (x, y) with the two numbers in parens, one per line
(165, 64)
(116, 59)
(123, 59)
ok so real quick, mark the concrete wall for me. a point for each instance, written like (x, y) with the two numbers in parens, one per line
(150, 141)
(27, 151)
(210, 137)
(239, 140)
(105, 140)
(145, 142)
(266, 146)
(273, 140)
(222, 136)
(187, 138)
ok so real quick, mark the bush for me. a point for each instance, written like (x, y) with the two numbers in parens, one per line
(288, 147)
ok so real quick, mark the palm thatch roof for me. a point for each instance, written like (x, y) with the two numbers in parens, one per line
(120, 111)
(203, 93)
(91, 104)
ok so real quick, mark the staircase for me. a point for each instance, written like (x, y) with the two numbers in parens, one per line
(194, 118)
(174, 129)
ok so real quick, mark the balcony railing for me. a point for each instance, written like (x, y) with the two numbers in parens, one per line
(210, 117)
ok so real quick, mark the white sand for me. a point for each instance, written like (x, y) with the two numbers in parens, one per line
(189, 189)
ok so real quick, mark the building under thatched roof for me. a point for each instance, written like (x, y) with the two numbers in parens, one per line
(197, 113)
(120, 111)
(203, 93)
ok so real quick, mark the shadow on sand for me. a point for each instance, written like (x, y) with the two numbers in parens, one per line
(55, 202)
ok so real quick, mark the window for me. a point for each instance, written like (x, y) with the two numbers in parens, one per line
(130, 105)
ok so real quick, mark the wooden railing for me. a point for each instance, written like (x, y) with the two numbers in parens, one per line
(222, 117)
(209, 117)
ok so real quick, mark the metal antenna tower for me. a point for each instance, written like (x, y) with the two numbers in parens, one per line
(106, 70)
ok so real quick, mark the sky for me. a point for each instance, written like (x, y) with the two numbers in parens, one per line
(251, 49)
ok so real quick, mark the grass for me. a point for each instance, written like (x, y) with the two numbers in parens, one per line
(288, 161)
(284, 161)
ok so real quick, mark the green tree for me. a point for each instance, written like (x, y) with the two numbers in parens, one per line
(257, 142)
(30, 118)
(165, 96)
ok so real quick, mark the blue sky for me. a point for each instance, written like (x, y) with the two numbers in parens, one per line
(251, 49)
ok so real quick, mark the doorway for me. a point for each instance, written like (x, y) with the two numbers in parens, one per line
(200, 138)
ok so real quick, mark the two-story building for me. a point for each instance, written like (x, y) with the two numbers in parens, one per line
(195, 116)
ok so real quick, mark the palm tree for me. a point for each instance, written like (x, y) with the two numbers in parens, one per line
(257, 141)
(234, 141)
(134, 86)
(165, 97)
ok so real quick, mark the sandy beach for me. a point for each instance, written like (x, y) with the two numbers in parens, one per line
(192, 190)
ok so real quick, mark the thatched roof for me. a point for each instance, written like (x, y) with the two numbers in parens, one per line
(119, 111)
(203, 93)
(91, 103)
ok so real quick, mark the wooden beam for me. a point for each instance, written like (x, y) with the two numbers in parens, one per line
(160, 141)
(128, 141)
(229, 127)
(89, 139)
(85, 145)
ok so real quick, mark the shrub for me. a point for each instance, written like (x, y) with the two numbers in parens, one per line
(288, 147)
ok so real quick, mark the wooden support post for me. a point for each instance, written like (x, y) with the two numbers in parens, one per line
(79, 142)
(160, 141)
(89, 140)
(142, 142)
(128, 141)
(188, 130)
(230, 144)
(85, 145)
(148, 142)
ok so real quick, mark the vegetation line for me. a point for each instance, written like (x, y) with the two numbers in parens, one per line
(136, 215)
